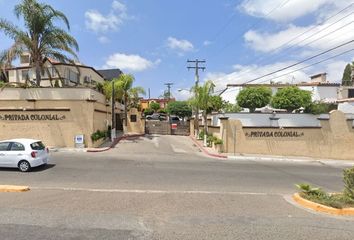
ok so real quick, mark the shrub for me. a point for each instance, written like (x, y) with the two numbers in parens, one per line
(98, 135)
(348, 179)
(154, 106)
(162, 111)
(148, 111)
(320, 107)
(180, 109)
(2, 84)
(218, 141)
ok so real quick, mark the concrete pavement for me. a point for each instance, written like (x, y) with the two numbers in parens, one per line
(162, 187)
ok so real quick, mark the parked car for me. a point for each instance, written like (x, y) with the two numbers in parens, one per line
(156, 116)
(23, 154)
(175, 119)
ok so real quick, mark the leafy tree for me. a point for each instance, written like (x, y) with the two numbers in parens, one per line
(291, 98)
(347, 75)
(41, 38)
(154, 106)
(216, 104)
(231, 108)
(134, 96)
(203, 101)
(254, 97)
(180, 109)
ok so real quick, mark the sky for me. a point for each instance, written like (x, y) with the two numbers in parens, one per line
(239, 40)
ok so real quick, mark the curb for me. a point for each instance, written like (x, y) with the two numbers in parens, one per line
(114, 143)
(11, 188)
(205, 151)
(322, 208)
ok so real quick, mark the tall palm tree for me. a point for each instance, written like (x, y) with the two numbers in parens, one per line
(203, 101)
(126, 92)
(41, 38)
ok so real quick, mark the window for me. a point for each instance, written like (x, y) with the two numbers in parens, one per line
(25, 74)
(73, 76)
(4, 146)
(17, 147)
(133, 118)
(25, 59)
(350, 93)
(37, 146)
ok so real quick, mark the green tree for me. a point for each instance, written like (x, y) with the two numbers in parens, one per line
(254, 97)
(231, 108)
(154, 106)
(41, 37)
(216, 103)
(180, 109)
(291, 98)
(347, 75)
(203, 100)
(134, 96)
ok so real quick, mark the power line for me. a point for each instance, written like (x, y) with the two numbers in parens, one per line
(296, 37)
(299, 69)
(302, 61)
(169, 85)
(256, 23)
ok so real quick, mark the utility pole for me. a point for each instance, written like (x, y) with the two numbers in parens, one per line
(169, 89)
(196, 67)
(113, 127)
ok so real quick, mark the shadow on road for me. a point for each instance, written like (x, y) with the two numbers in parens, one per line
(36, 169)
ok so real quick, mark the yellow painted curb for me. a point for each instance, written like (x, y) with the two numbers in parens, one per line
(322, 208)
(10, 188)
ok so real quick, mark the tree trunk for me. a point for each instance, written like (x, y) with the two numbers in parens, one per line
(38, 74)
(205, 116)
(126, 109)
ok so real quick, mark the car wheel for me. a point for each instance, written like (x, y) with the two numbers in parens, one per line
(24, 166)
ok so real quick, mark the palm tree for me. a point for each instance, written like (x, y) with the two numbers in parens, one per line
(203, 101)
(41, 38)
(134, 94)
(126, 92)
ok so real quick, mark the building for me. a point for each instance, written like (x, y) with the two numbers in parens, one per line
(145, 103)
(58, 74)
(321, 89)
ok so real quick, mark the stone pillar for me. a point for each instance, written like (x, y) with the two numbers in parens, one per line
(224, 123)
(274, 120)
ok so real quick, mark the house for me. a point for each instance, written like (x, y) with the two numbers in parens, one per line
(57, 73)
(320, 88)
(145, 103)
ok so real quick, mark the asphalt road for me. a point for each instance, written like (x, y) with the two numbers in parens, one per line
(162, 187)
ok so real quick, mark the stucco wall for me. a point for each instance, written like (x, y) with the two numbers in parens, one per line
(137, 127)
(331, 138)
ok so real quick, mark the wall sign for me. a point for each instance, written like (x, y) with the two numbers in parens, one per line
(32, 117)
(274, 134)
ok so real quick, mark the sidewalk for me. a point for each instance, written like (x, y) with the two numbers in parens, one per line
(107, 145)
(272, 158)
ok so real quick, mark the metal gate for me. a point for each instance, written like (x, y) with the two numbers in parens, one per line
(167, 128)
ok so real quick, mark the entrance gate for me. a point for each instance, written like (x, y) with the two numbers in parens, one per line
(167, 128)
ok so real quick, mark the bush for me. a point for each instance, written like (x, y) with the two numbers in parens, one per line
(218, 141)
(148, 111)
(254, 97)
(348, 180)
(98, 135)
(2, 84)
(180, 109)
(320, 107)
(231, 108)
(162, 111)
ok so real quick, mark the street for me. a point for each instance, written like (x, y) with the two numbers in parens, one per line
(163, 187)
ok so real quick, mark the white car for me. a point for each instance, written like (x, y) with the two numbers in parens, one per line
(23, 154)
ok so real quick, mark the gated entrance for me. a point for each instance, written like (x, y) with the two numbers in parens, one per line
(167, 128)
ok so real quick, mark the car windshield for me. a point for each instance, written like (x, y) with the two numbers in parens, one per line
(37, 146)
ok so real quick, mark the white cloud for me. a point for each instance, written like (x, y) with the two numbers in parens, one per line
(291, 10)
(134, 63)
(179, 44)
(182, 95)
(317, 37)
(98, 22)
